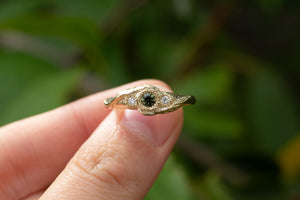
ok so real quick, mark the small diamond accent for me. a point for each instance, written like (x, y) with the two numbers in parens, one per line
(165, 99)
(131, 101)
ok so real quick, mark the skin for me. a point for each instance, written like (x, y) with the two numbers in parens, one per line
(85, 151)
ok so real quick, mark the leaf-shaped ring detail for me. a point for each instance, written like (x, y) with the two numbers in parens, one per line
(149, 100)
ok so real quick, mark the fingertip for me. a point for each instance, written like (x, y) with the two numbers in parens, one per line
(156, 129)
(125, 152)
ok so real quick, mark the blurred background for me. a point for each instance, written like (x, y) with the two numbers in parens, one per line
(240, 59)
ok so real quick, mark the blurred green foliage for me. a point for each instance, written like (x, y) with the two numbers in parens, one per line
(239, 58)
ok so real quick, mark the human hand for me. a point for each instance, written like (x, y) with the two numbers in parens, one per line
(84, 151)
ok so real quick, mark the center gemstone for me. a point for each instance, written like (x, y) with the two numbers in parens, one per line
(148, 99)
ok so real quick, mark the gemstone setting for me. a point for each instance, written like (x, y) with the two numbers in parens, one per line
(131, 101)
(165, 99)
(148, 99)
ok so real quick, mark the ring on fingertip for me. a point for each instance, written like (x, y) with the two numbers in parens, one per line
(149, 100)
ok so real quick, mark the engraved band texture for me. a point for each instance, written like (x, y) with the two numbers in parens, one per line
(149, 100)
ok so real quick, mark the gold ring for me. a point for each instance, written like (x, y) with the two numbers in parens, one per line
(149, 100)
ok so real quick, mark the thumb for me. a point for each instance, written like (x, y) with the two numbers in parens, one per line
(121, 159)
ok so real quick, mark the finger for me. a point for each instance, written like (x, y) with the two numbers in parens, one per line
(35, 196)
(33, 151)
(121, 159)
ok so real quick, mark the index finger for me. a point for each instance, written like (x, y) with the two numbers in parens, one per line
(36, 149)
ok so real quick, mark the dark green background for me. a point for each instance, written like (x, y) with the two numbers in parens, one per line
(239, 58)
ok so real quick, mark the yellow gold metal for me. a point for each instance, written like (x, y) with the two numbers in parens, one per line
(149, 100)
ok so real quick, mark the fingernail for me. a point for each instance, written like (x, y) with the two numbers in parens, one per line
(156, 129)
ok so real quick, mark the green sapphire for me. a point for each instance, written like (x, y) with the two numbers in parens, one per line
(148, 99)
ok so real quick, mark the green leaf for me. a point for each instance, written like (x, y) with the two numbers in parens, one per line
(272, 111)
(213, 188)
(17, 8)
(81, 32)
(270, 5)
(209, 86)
(90, 9)
(18, 71)
(48, 92)
(77, 30)
(211, 124)
(118, 73)
(172, 184)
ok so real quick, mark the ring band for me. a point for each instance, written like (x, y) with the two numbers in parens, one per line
(149, 100)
